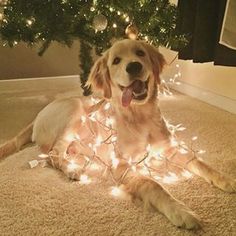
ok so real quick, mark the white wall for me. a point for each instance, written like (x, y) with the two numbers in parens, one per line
(24, 62)
(220, 80)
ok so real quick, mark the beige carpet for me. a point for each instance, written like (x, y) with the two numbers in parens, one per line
(41, 201)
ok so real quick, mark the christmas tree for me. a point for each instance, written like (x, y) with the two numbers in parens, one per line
(94, 22)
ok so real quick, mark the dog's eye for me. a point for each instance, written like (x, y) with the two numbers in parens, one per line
(140, 53)
(116, 61)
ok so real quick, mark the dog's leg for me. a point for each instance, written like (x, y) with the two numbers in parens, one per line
(59, 161)
(218, 179)
(154, 195)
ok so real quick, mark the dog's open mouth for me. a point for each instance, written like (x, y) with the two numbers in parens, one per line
(137, 90)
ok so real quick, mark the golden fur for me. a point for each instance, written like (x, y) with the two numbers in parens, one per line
(138, 123)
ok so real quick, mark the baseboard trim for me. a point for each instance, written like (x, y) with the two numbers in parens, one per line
(72, 81)
(209, 97)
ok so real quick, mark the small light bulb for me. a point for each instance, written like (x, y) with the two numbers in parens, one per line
(72, 166)
(148, 148)
(187, 174)
(70, 137)
(109, 121)
(107, 106)
(114, 139)
(114, 25)
(98, 141)
(84, 179)
(115, 161)
(116, 191)
(171, 178)
(29, 22)
(127, 19)
(43, 155)
(201, 152)
(83, 119)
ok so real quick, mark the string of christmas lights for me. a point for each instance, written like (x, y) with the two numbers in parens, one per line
(92, 161)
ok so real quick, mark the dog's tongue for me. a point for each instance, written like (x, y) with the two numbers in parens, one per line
(127, 95)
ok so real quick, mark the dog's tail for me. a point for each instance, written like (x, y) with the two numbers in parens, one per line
(15, 144)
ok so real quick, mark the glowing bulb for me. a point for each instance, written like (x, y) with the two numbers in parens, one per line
(148, 148)
(77, 137)
(116, 191)
(114, 25)
(157, 177)
(115, 161)
(127, 19)
(94, 166)
(201, 151)
(72, 166)
(171, 178)
(83, 119)
(183, 151)
(144, 171)
(70, 137)
(94, 100)
(114, 139)
(133, 168)
(84, 179)
(187, 174)
(43, 155)
(109, 121)
(181, 129)
(158, 154)
(173, 142)
(107, 106)
(98, 141)
(92, 116)
(29, 22)
(118, 13)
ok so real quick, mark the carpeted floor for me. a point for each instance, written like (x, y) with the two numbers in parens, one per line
(41, 201)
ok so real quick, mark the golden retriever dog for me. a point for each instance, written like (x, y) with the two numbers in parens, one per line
(128, 77)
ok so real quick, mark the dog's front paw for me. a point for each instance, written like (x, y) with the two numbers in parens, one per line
(225, 183)
(183, 217)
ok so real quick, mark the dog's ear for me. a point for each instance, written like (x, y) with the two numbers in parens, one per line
(99, 77)
(157, 59)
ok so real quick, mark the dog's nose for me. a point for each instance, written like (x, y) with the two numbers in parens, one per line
(134, 68)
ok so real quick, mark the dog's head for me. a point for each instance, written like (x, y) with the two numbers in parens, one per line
(129, 71)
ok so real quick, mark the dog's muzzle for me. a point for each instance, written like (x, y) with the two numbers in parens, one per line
(138, 90)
